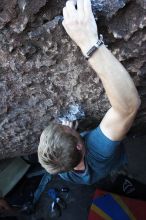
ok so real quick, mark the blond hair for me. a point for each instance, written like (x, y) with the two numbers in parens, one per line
(57, 151)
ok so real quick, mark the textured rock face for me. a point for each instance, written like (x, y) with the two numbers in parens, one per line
(42, 72)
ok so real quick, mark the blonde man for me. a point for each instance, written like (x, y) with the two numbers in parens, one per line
(89, 159)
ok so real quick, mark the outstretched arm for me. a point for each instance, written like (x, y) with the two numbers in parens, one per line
(81, 26)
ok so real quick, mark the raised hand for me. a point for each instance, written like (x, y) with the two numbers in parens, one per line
(80, 23)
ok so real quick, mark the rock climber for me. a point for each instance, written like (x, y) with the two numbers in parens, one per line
(89, 158)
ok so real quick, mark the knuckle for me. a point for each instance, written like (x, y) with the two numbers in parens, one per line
(64, 9)
(67, 3)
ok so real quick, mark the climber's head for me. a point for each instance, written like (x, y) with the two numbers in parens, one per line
(60, 149)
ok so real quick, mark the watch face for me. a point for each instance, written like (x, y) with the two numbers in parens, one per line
(95, 47)
(91, 51)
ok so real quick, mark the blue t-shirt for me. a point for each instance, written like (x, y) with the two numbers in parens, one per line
(102, 157)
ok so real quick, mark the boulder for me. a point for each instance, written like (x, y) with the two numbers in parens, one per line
(43, 73)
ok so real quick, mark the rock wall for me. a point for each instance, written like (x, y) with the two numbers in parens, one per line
(42, 72)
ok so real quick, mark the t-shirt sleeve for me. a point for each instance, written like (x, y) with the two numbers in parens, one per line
(100, 145)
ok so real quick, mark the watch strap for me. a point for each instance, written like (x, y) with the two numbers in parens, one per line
(99, 43)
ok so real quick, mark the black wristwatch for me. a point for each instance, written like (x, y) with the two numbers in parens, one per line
(99, 43)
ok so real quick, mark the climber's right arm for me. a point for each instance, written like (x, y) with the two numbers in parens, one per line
(81, 27)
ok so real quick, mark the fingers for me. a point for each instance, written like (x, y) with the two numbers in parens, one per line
(74, 2)
(76, 125)
(65, 14)
(83, 9)
(70, 7)
(87, 8)
(71, 124)
(80, 9)
(68, 123)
